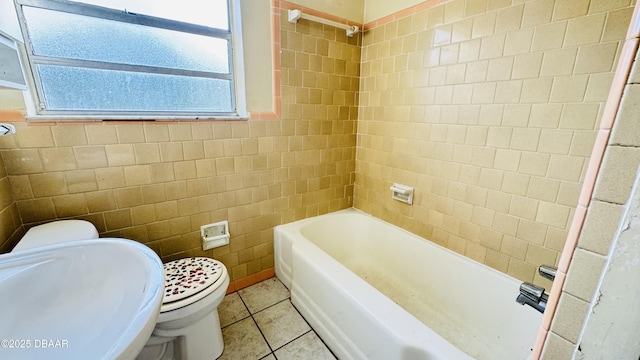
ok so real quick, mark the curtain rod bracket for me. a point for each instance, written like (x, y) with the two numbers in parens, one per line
(294, 15)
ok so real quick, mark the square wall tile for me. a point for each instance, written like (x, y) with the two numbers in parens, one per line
(569, 317)
(583, 274)
(600, 226)
(627, 128)
(557, 347)
(617, 173)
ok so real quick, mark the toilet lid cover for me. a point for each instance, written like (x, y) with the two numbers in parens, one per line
(186, 277)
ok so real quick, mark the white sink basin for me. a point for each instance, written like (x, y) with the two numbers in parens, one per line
(90, 299)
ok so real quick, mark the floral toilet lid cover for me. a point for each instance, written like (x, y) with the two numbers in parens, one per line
(187, 277)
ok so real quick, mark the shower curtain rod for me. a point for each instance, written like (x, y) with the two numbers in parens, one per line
(295, 14)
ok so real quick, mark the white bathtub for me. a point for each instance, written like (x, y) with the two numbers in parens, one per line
(374, 291)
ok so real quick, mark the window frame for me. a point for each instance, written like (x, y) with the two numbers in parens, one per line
(34, 99)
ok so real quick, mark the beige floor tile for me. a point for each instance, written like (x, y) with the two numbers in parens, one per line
(308, 346)
(264, 294)
(232, 309)
(269, 357)
(281, 323)
(243, 341)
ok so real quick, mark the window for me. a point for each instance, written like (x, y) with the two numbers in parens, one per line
(157, 59)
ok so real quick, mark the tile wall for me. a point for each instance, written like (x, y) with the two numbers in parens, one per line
(620, 160)
(11, 227)
(489, 109)
(158, 182)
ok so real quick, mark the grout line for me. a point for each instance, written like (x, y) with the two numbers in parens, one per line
(270, 306)
(263, 336)
(294, 339)
(235, 322)
(258, 326)
(311, 327)
(272, 350)
(238, 320)
(314, 330)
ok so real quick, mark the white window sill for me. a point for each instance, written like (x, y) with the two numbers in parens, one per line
(97, 118)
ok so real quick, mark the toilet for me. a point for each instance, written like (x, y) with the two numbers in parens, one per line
(188, 326)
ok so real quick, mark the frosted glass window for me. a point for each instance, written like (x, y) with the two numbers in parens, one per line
(208, 13)
(128, 91)
(64, 35)
(97, 57)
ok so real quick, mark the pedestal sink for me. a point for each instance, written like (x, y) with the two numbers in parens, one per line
(90, 299)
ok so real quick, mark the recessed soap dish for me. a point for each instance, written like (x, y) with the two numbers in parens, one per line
(402, 193)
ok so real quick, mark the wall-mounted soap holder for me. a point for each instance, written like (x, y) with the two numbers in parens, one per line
(402, 193)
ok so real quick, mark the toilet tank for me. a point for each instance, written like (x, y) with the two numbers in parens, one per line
(57, 232)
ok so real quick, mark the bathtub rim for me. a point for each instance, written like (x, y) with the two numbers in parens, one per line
(297, 225)
(294, 229)
(401, 325)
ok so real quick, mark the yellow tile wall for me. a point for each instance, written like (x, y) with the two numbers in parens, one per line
(490, 112)
(10, 224)
(487, 109)
(158, 182)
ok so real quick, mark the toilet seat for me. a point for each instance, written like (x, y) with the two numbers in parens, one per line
(189, 280)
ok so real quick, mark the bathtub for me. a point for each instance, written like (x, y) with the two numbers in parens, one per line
(374, 291)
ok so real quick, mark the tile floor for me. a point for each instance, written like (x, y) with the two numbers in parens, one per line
(259, 322)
